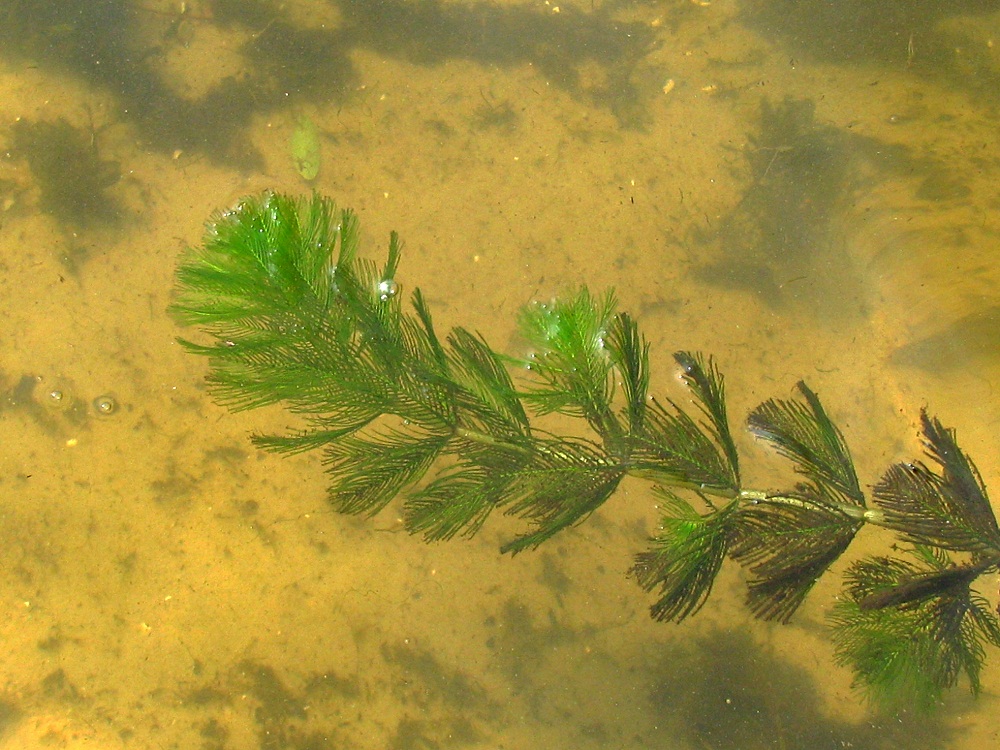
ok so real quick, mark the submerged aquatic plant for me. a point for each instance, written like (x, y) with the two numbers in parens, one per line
(297, 317)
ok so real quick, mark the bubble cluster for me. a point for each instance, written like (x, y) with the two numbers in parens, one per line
(387, 289)
(59, 396)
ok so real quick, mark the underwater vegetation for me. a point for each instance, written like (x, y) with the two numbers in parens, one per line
(120, 47)
(975, 338)
(779, 242)
(736, 694)
(785, 241)
(72, 177)
(780, 229)
(295, 316)
(862, 32)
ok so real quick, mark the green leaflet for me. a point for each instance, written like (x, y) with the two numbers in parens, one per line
(305, 148)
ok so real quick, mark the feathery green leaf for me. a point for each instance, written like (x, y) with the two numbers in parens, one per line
(804, 433)
(571, 364)
(488, 392)
(564, 482)
(685, 558)
(460, 498)
(672, 448)
(709, 388)
(906, 652)
(950, 509)
(629, 353)
(367, 473)
(788, 542)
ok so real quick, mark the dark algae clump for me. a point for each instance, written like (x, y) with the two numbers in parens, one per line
(72, 177)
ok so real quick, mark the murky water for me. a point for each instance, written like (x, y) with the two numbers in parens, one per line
(803, 190)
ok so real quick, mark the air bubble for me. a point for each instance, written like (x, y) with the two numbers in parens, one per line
(58, 398)
(105, 405)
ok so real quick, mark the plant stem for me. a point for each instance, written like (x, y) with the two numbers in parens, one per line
(868, 515)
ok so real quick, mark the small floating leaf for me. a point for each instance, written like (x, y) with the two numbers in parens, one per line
(305, 147)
